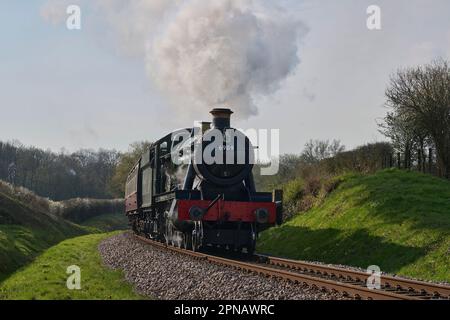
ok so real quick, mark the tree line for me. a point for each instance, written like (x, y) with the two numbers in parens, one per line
(59, 176)
(62, 176)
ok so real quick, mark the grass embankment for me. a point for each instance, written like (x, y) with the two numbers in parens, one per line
(45, 278)
(27, 228)
(25, 232)
(397, 220)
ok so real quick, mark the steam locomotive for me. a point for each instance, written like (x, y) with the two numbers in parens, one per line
(194, 188)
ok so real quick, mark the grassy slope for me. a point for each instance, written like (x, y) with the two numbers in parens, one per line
(25, 232)
(45, 278)
(397, 220)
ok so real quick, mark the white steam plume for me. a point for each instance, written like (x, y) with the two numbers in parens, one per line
(208, 53)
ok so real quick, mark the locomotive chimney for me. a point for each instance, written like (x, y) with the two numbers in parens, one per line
(221, 118)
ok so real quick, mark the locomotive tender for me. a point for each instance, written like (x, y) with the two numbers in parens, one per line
(178, 195)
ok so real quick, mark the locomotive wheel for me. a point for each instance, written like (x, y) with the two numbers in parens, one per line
(234, 248)
(187, 241)
(194, 241)
(180, 241)
(166, 236)
(251, 249)
(184, 241)
(197, 236)
(252, 244)
(167, 240)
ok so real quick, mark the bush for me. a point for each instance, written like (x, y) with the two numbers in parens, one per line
(76, 210)
(293, 190)
(365, 159)
(332, 183)
(313, 185)
(79, 210)
(306, 203)
(300, 195)
(26, 197)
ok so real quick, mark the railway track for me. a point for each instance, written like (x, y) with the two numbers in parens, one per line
(349, 283)
(398, 286)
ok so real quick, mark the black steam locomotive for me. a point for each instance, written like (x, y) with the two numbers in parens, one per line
(194, 188)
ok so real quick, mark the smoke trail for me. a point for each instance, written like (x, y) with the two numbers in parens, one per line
(202, 54)
(224, 52)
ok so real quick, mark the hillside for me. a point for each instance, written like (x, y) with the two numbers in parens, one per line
(27, 227)
(395, 219)
(25, 231)
(45, 278)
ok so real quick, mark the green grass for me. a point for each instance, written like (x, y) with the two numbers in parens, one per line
(395, 219)
(25, 232)
(45, 278)
(30, 268)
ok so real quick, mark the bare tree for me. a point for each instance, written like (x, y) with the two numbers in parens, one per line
(318, 150)
(420, 102)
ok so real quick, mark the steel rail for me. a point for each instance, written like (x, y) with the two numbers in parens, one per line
(321, 283)
(387, 282)
(347, 283)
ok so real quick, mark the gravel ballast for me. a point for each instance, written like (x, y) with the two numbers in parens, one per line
(168, 275)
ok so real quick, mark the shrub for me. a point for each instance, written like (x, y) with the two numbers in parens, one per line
(332, 183)
(26, 197)
(313, 185)
(364, 159)
(293, 191)
(76, 210)
(306, 203)
(300, 195)
(79, 210)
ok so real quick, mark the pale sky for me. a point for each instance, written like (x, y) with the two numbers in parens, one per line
(75, 89)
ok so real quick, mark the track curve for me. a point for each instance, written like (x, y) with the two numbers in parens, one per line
(347, 282)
